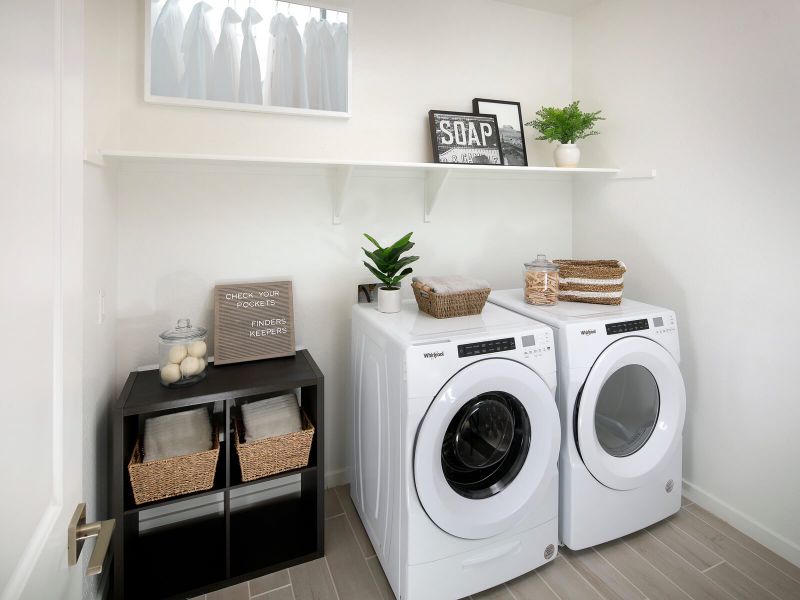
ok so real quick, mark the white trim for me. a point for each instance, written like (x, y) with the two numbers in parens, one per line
(584, 294)
(746, 524)
(336, 478)
(587, 281)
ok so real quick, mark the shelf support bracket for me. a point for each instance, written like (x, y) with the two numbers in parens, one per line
(434, 182)
(340, 184)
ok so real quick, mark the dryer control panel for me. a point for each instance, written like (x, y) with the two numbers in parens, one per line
(626, 326)
(486, 347)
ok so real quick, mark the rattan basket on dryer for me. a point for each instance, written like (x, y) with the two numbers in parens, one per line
(592, 281)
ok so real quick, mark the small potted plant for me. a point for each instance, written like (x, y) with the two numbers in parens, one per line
(390, 268)
(565, 125)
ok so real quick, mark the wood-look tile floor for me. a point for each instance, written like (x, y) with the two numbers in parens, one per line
(692, 555)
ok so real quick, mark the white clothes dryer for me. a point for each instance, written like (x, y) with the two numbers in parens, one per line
(622, 403)
(455, 447)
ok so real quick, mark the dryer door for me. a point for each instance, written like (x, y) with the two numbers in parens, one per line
(630, 412)
(487, 448)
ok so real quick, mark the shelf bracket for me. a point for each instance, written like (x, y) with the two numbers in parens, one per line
(636, 174)
(434, 182)
(340, 183)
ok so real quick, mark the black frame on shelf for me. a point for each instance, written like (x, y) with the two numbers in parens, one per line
(464, 116)
(476, 108)
(202, 554)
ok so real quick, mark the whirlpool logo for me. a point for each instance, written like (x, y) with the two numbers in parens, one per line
(433, 354)
(588, 331)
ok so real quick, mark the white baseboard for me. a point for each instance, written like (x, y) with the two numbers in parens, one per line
(337, 478)
(761, 533)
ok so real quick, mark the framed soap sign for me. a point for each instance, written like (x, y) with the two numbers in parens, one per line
(253, 321)
(465, 138)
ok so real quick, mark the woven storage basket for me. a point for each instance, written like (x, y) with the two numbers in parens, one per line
(445, 306)
(169, 477)
(591, 281)
(272, 455)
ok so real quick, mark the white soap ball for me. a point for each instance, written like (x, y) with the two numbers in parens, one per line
(197, 349)
(170, 373)
(190, 366)
(177, 353)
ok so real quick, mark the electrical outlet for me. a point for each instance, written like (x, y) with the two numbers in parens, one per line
(367, 293)
(101, 306)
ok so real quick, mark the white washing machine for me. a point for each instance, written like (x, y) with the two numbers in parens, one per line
(455, 447)
(622, 403)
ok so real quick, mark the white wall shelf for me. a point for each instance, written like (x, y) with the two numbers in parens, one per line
(341, 172)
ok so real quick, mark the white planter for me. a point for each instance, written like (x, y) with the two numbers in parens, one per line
(388, 300)
(567, 155)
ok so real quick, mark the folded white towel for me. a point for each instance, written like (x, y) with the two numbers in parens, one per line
(452, 284)
(177, 434)
(274, 416)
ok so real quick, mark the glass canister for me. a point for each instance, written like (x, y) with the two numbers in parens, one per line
(182, 354)
(541, 281)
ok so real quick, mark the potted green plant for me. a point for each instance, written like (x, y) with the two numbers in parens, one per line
(565, 125)
(390, 268)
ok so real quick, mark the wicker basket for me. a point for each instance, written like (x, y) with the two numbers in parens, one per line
(272, 455)
(591, 281)
(445, 306)
(170, 477)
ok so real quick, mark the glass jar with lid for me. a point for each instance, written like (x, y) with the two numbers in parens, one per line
(541, 281)
(182, 354)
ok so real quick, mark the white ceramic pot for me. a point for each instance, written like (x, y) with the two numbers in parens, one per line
(567, 155)
(388, 300)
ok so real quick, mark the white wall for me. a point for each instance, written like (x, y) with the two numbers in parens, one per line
(99, 348)
(708, 92)
(408, 57)
(181, 230)
(101, 129)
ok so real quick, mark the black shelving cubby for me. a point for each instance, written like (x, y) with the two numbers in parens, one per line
(210, 548)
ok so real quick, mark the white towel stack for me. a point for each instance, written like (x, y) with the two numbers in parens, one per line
(177, 434)
(452, 284)
(274, 416)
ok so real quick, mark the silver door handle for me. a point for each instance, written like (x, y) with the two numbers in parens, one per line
(79, 531)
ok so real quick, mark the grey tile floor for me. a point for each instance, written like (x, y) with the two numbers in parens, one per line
(692, 555)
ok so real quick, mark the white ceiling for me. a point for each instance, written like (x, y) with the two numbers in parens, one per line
(564, 7)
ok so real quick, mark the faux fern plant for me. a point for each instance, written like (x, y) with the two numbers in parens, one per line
(565, 125)
(390, 266)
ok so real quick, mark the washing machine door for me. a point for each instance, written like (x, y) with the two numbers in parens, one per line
(630, 412)
(487, 448)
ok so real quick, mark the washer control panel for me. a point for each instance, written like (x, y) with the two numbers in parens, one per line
(486, 347)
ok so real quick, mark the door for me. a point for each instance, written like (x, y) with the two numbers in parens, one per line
(487, 448)
(41, 248)
(630, 412)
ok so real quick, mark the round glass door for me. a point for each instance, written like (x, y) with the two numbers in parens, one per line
(486, 450)
(485, 445)
(629, 414)
(627, 410)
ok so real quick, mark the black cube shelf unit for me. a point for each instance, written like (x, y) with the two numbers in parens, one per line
(197, 555)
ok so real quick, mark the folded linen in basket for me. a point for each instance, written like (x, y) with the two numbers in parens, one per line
(274, 416)
(452, 284)
(177, 434)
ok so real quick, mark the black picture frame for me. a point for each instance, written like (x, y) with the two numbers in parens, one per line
(515, 153)
(491, 152)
